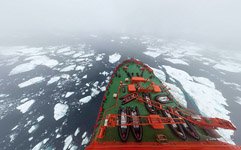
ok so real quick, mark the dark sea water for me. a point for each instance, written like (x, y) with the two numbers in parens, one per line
(15, 125)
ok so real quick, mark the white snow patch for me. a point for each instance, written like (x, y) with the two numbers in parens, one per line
(53, 79)
(176, 61)
(67, 142)
(25, 106)
(31, 82)
(34, 61)
(68, 68)
(68, 94)
(76, 132)
(85, 100)
(40, 118)
(114, 58)
(33, 128)
(60, 110)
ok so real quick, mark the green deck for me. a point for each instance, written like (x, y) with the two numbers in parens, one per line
(149, 133)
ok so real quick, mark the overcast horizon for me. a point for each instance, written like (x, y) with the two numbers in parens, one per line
(214, 22)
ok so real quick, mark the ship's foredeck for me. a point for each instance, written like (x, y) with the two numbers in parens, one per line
(111, 105)
(136, 100)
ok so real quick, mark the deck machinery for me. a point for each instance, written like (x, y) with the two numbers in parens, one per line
(139, 112)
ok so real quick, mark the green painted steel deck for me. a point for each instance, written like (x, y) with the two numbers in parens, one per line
(149, 134)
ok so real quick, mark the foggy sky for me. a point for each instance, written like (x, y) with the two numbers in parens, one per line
(205, 20)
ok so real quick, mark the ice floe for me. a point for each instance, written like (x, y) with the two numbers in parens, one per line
(152, 53)
(228, 66)
(178, 94)
(3, 95)
(15, 127)
(80, 68)
(58, 135)
(84, 77)
(40, 118)
(159, 74)
(65, 76)
(99, 57)
(94, 92)
(62, 50)
(238, 100)
(125, 38)
(68, 94)
(60, 110)
(25, 106)
(33, 128)
(209, 100)
(114, 58)
(204, 81)
(176, 61)
(30, 139)
(68, 68)
(67, 142)
(31, 82)
(76, 132)
(40, 144)
(69, 53)
(12, 137)
(53, 79)
(34, 62)
(85, 139)
(103, 88)
(85, 100)
(80, 53)
(104, 73)
(24, 100)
